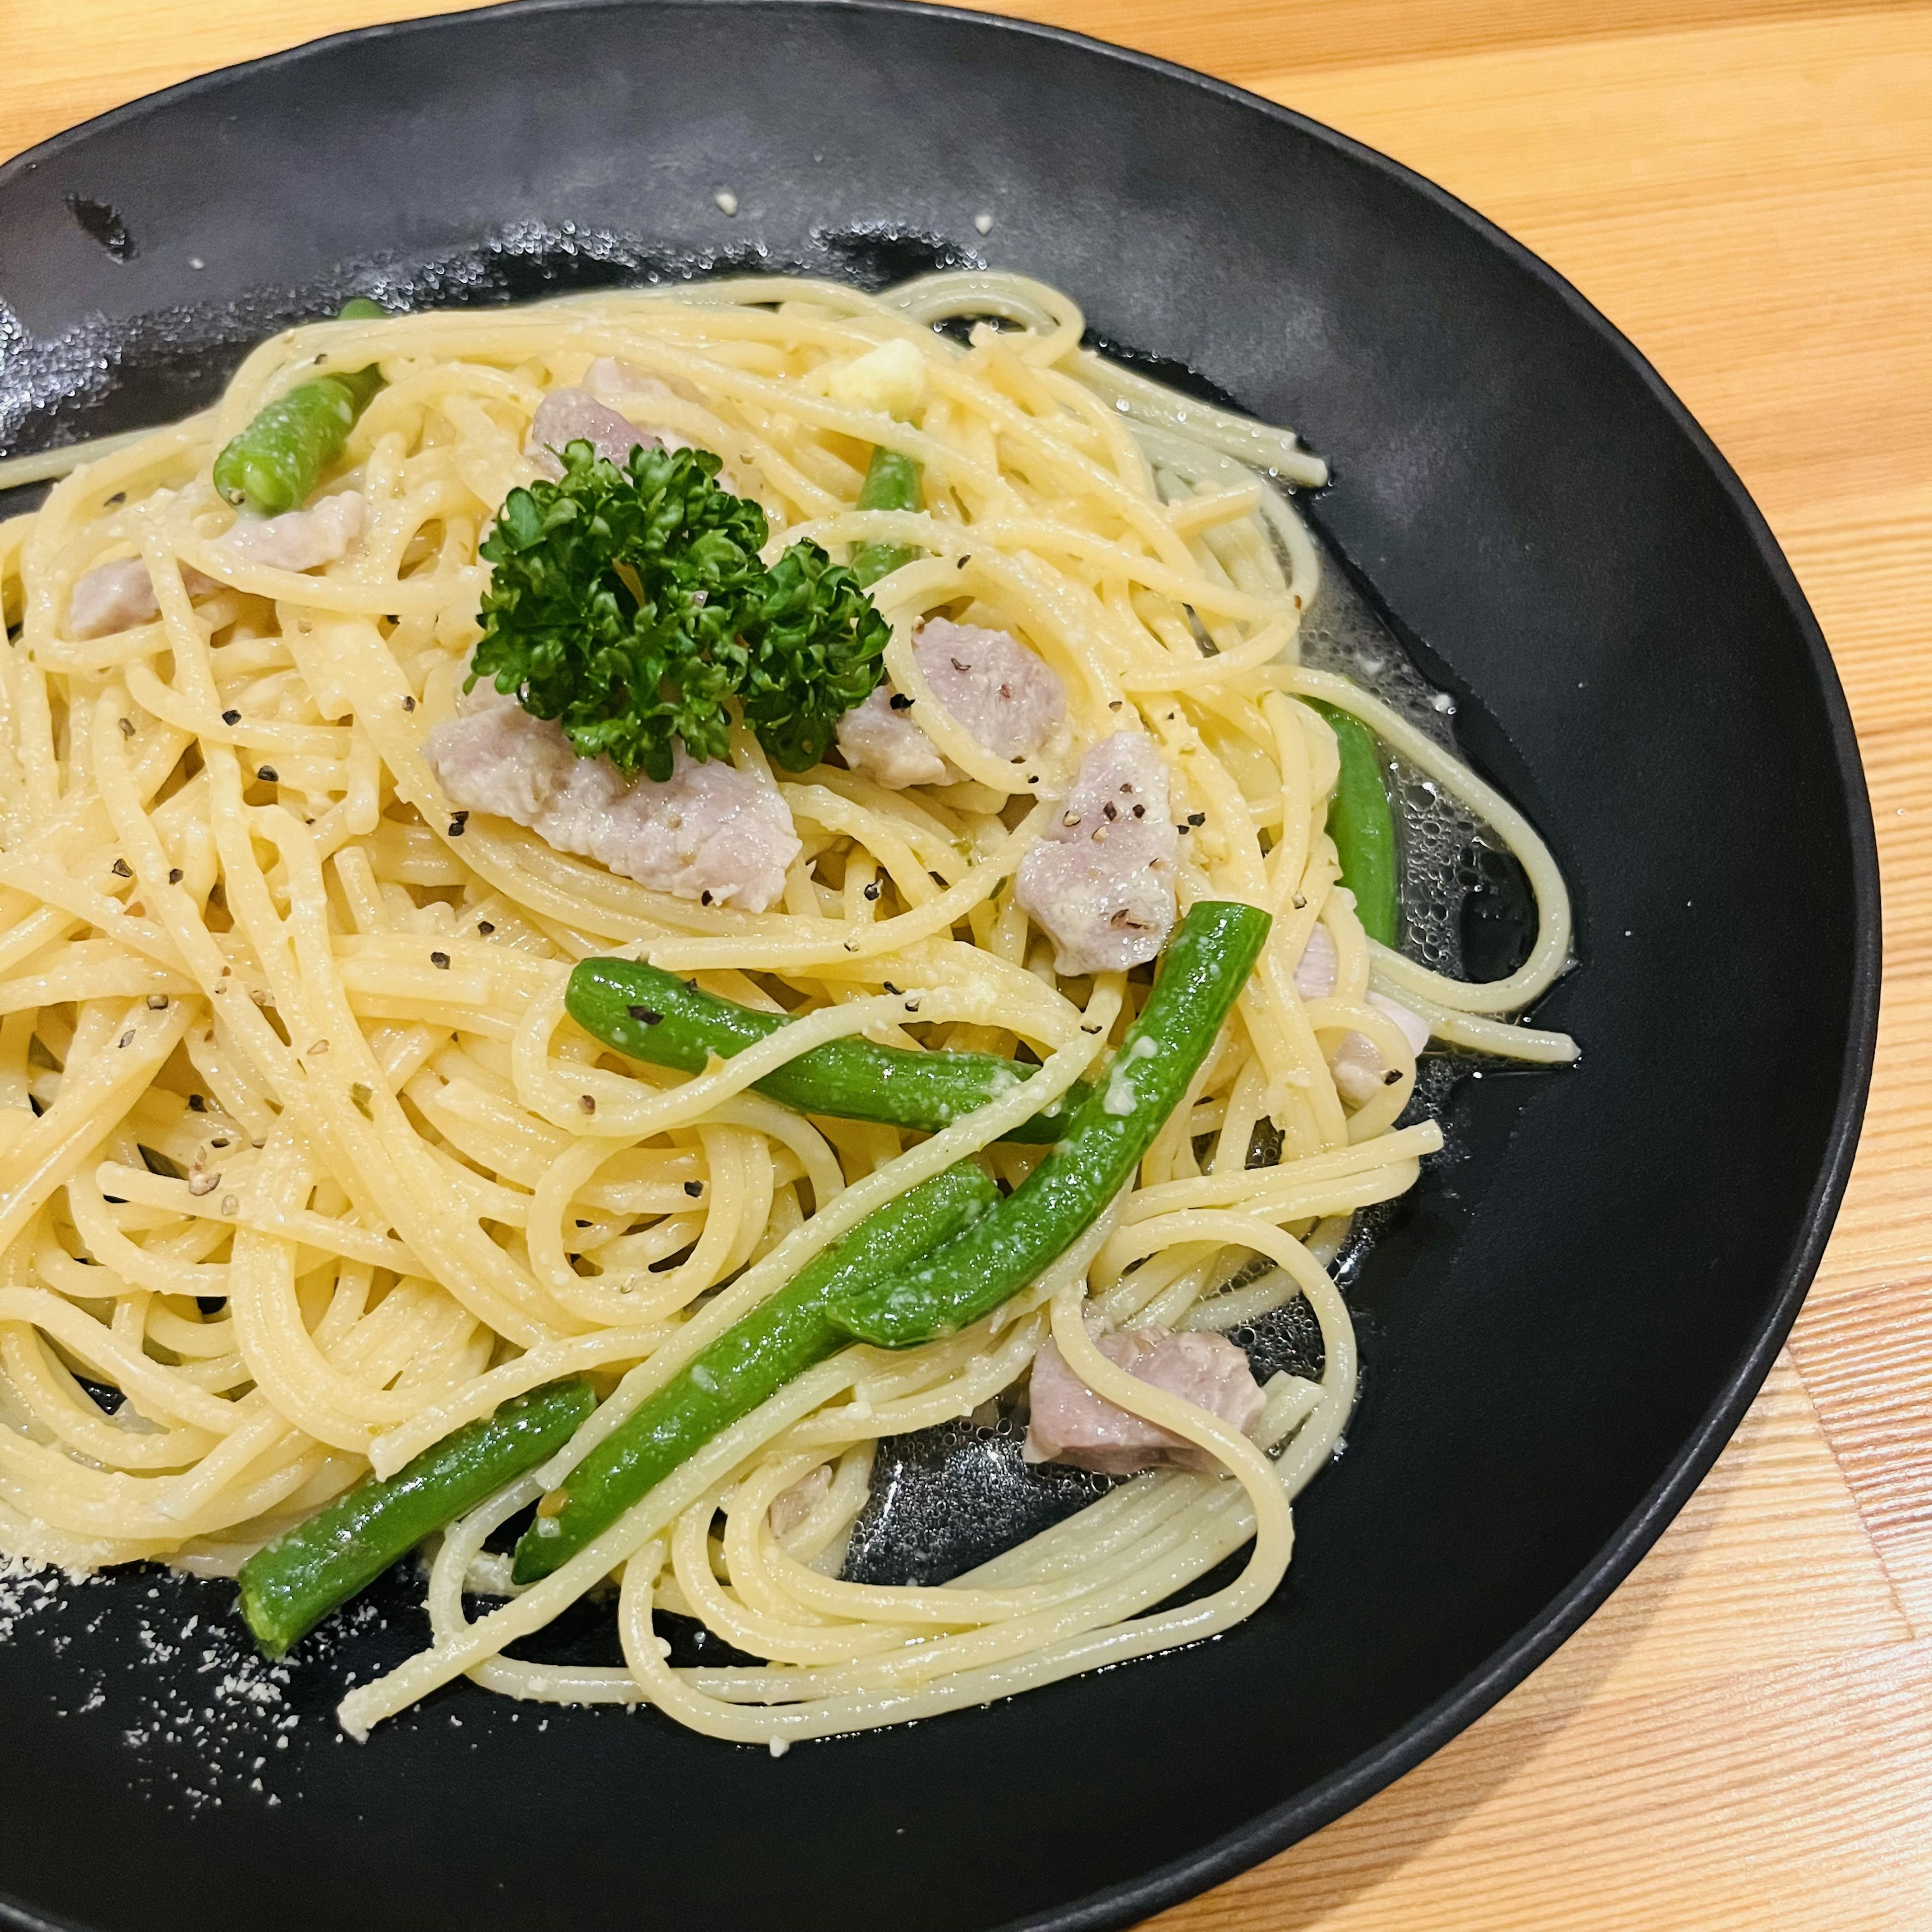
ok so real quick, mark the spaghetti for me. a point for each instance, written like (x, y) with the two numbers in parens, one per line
(301, 1153)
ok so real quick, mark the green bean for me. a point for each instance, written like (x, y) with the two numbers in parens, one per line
(750, 1362)
(659, 1018)
(1207, 964)
(892, 483)
(1363, 827)
(274, 463)
(288, 1587)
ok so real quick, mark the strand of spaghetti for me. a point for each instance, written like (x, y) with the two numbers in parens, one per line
(368, 1704)
(1219, 1190)
(1551, 952)
(1479, 1034)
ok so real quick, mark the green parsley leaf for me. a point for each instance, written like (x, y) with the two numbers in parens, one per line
(629, 604)
(815, 642)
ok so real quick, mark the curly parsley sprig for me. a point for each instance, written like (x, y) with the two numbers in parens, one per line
(628, 604)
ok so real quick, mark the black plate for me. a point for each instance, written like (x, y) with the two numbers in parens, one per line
(1575, 1310)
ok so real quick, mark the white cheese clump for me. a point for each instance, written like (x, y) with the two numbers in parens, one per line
(890, 378)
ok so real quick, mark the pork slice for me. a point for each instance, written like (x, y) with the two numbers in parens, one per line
(111, 597)
(607, 377)
(575, 416)
(1100, 884)
(297, 540)
(710, 833)
(116, 596)
(1315, 971)
(1070, 1424)
(492, 756)
(1359, 1069)
(997, 689)
(887, 745)
(790, 1508)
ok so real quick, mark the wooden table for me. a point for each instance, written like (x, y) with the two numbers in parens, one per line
(1743, 1737)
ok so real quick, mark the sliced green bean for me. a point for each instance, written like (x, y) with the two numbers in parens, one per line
(657, 1017)
(892, 483)
(275, 462)
(1206, 965)
(749, 1363)
(288, 1587)
(1363, 828)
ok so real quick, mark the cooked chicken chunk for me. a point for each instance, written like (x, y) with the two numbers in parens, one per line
(1100, 884)
(710, 833)
(997, 689)
(297, 540)
(1070, 1424)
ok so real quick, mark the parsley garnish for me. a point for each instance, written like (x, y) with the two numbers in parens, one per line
(629, 604)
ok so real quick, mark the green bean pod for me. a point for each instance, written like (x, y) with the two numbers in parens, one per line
(1363, 828)
(750, 1362)
(288, 1587)
(892, 483)
(275, 462)
(657, 1017)
(1207, 964)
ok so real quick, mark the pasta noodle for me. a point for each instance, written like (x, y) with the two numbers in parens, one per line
(301, 1152)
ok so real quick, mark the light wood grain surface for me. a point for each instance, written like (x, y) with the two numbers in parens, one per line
(1743, 1738)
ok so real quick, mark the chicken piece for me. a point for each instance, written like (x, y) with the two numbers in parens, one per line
(710, 833)
(573, 415)
(997, 689)
(113, 597)
(1070, 1424)
(1358, 1067)
(1100, 884)
(297, 540)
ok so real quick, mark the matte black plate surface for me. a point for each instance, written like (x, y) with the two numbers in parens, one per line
(1578, 1306)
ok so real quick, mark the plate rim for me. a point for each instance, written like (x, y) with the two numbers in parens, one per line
(1279, 1827)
